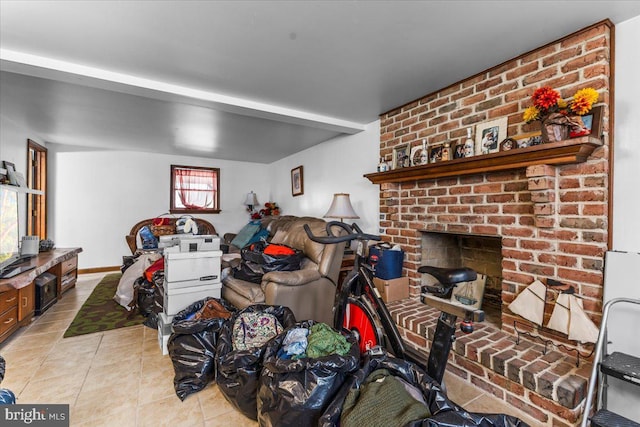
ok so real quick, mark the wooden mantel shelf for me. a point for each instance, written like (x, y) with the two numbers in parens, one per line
(556, 153)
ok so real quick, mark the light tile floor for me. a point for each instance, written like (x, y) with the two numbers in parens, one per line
(120, 378)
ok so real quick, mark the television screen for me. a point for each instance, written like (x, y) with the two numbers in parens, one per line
(9, 236)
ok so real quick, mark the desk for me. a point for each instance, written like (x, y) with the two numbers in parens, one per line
(17, 294)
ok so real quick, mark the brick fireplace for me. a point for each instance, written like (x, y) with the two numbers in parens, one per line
(547, 215)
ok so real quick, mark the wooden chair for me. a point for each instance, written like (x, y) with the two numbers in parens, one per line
(204, 227)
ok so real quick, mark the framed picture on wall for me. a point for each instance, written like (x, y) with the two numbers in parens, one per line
(489, 135)
(297, 181)
(11, 172)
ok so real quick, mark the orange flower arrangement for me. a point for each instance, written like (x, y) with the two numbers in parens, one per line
(547, 101)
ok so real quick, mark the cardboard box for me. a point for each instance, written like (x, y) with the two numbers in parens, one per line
(392, 289)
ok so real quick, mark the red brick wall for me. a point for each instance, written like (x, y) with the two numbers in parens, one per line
(553, 220)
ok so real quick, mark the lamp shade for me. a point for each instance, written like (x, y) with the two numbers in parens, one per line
(251, 199)
(341, 207)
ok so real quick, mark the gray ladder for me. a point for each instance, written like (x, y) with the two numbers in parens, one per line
(619, 365)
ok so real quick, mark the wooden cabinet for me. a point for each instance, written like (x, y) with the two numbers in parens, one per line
(18, 293)
(8, 312)
(26, 302)
(67, 273)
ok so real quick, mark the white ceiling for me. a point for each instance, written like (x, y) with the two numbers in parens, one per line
(251, 80)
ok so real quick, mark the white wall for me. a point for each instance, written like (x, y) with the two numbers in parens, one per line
(620, 275)
(626, 203)
(336, 166)
(97, 196)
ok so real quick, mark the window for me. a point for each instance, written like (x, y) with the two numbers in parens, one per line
(36, 180)
(195, 189)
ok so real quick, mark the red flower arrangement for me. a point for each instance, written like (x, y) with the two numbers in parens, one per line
(547, 101)
(270, 208)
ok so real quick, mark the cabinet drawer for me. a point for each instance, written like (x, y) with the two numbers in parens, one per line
(8, 299)
(8, 320)
(69, 265)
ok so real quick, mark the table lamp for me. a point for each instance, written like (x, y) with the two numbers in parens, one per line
(341, 208)
(251, 201)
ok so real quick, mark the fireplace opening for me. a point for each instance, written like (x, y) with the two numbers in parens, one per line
(481, 253)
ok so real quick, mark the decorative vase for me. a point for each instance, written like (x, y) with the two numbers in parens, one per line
(555, 127)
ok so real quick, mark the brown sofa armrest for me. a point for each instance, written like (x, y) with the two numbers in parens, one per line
(291, 278)
(228, 237)
(131, 242)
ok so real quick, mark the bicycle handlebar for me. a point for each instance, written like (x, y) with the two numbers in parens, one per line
(332, 239)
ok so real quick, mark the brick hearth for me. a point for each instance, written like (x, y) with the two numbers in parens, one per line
(491, 359)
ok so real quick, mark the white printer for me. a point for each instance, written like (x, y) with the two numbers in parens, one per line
(191, 273)
(189, 242)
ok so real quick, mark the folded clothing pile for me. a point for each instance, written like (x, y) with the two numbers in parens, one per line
(318, 341)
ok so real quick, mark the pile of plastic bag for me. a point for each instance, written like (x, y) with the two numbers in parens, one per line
(296, 391)
(192, 346)
(240, 352)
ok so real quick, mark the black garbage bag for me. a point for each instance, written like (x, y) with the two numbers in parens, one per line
(444, 412)
(249, 272)
(238, 371)
(296, 392)
(2, 368)
(261, 257)
(127, 261)
(192, 347)
(6, 396)
(149, 299)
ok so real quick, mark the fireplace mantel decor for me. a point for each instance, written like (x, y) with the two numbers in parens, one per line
(569, 151)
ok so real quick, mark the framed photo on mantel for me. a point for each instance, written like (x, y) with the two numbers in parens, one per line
(489, 135)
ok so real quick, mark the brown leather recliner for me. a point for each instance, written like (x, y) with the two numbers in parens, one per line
(308, 292)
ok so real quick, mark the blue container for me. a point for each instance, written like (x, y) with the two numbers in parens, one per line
(389, 265)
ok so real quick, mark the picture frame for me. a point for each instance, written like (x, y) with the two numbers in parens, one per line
(435, 153)
(528, 139)
(589, 124)
(489, 134)
(418, 158)
(470, 294)
(11, 172)
(508, 144)
(458, 151)
(297, 181)
(401, 157)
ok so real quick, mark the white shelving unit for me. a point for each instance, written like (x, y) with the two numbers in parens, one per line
(21, 189)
